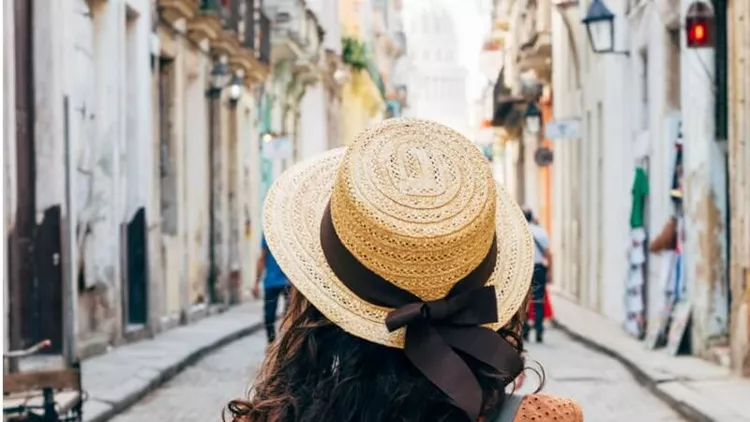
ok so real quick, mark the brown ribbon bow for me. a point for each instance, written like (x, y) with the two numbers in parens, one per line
(435, 329)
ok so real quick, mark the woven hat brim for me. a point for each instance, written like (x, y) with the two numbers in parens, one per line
(292, 215)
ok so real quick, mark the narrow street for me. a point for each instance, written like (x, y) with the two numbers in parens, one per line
(604, 388)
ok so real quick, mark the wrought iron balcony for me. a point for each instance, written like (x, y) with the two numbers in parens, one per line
(236, 16)
(263, 52)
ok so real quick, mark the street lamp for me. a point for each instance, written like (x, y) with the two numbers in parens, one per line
(235, 90)
(219, 78)
(533, 119)
(600, 26)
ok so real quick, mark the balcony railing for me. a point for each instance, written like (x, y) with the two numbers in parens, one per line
(237, 16)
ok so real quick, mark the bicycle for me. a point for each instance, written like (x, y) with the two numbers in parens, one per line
(41, 395)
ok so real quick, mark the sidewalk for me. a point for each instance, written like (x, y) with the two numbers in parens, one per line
(697, 389)
(118, 379)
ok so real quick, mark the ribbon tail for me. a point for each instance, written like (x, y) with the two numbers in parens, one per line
(435, 358)
(487, 346)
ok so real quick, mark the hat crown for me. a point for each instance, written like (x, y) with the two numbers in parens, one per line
(414, 201)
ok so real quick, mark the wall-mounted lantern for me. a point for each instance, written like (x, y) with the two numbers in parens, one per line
(699, 25)
(235, 90)
(600, 26)
(219, 77)
(533, 119)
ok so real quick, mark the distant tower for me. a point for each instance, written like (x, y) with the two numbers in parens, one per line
(437, 83)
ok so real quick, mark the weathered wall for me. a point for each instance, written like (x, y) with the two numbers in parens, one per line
(173, 231)
(108, 81)
(222, 196)
(248, 191)
(95, 73)
(704, 202)
(739, 156)
(196, 186)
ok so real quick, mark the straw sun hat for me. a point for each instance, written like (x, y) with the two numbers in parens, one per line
(410, 207)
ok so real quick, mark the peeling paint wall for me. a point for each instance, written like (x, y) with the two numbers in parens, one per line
(196, 185)
(97, 67)
(704, 203)
(101, 54)
(95, 142)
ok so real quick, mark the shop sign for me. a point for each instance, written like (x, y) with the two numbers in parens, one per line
(563, 129)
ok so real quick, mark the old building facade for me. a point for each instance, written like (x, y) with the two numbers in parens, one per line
(107, 167)
(649, 157)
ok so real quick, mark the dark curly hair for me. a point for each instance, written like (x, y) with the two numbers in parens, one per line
(317, 372)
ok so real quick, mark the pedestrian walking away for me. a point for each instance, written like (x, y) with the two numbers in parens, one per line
(541, 277)
(275, 284)
(410, 270)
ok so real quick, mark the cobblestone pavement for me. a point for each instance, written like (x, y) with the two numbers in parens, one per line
(604, 388)
(199, 393)
(601, 385)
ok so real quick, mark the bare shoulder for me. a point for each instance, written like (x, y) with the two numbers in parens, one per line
(542, 407)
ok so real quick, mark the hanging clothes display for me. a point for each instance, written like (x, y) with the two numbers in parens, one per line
(634, 286)
(663, 244)
(671, 239)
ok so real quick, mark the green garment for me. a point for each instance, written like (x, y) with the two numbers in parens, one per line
(640, 192)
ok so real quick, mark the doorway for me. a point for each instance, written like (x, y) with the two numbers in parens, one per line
(135, 230)
(35, 268)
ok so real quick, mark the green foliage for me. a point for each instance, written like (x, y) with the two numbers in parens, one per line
(354, 53)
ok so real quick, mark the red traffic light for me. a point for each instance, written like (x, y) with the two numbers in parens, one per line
(697, 33)
(699, 25)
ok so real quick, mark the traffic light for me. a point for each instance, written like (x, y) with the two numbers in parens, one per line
(699, 25)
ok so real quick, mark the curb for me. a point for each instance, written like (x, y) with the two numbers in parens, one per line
(170, 372)
(686, 410)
